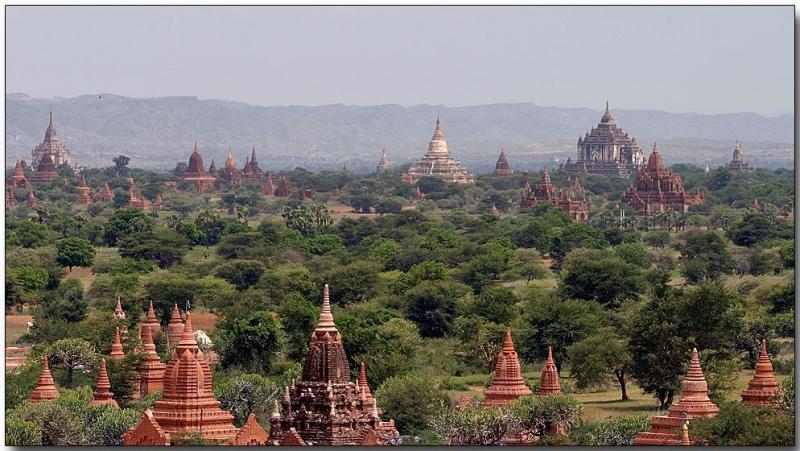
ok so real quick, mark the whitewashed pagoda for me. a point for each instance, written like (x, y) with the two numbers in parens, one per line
(437, 162)
(51, 144)
(384, 163)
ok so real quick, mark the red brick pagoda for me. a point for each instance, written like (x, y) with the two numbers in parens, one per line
(151, 373)
(45, 387)
(737, 163)
(545, 191)
(106, 195)
(212, 169)
(507, 383)
(45, 170)
(84, 197)
(175, 326)
(31, 200)
(658, 190)
(102, 393)
(268, 188)
(694, 403)
(251, 172)
(323, 407)
(18, 179)
(502, 168)
(117, 352)
(11, 201)
(188, 403)
(150, 320)
(549, 383)
(763, 388)
(196, 173)
(283, 189)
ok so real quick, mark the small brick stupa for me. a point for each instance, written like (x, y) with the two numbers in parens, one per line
(45, 170)
(323, 407)
(151, 321)
(151, 373)
(196, 173)
(251, 171)
(45, 387)
(268, 188)
(283, 189)
(84, 197)
(102, 393)
(188, 402)
(763, 387)
(362, 386)
(175, 326)
(502, 168)
(18, 179)
(550, 383)
(31, 200)
(694, 403)
(106, 195)
(117, 353)
(507, 384)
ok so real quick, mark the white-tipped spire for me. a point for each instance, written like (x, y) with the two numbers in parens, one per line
(326, 317)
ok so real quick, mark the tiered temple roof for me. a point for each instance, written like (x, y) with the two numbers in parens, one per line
(763, 387)
(324, 407)
(45, 387)
(658, 190)
(383, 163)
(694, 403)
(117, 352)
(59, 154)
(502, 168)
(106, 195)
(437, 162)
(549, 383)
(283, 189)
(151, 320)
(606, 149)
(507, 384)
(195, 172)
(268, 188)
(545, 191)
(31, 200)
(18, 179)
(251, 171)
(102, 393)
(151, 373)
(84, 196)
(45, 169)
(737, 162)
(175, 326)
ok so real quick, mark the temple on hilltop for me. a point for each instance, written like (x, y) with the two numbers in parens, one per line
(606, 149)
(507, 384)
(658, 190)
(188, 404)
(51, 144)
(545, 191)
(324, 407)
(383, 163)
(45, 169)
(693, 403)
(737, 163)
(251, 172)
(763, 388)
(229, 172)
(502, 168)
(18, 179)
(437, 162)
(196, 173)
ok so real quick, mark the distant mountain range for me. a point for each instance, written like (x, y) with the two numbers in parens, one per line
(158, 132)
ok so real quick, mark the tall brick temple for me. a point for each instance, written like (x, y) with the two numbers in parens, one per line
(507, 384)
(658, 190)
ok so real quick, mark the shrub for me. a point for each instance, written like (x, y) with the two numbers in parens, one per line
(618, 431)
(411, 400)
(473, 426)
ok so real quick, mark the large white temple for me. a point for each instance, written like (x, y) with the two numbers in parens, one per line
(437, 162)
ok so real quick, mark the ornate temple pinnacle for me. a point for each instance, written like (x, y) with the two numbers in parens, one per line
(326, 323)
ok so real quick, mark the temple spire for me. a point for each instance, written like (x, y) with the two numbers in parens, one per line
(102, 393)
(362, 382)
(763, 387)
(550, 384)
(45, 387)
(117, 351)
(507, 384)
(253, 155)
(325, 316)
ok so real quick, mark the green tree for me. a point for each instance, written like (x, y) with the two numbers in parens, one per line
(596, 275)
(245, 394)
(351, 283)
(476, 333)
(121, 164)
(247, 339)
(496, 303)
(658, 238)
(307, 219)
(752, 229)
(211, 227)
(432, 306)
(537, 415)
(164, 247)
(706, 256)
(71, 354)
(473, 426)
(633, 253)
(241, 273)
(30, 234)
(737, 424)
(298, 318)
(411, 400)
(618, 431)
(127, 222)
(599, 357)
(74, 252)
(573, 236)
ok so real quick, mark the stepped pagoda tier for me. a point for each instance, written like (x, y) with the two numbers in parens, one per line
(151, 373)
(195, 172)
(251, 171)
(694, 403)
(18, 179)
(229, 172)
(383, 163)
(151, 320)
(175, 326)
(658, 190)
(738, 164)
(188, 403)
(106, 195)
(545, 191)
(45, 387)
(324, 407)
(502, 168)
(117, 352)
(212, 169)
(283, 189)
(268, 188)
(507, 383)
(11, 201)
(45, 169)
(437, 162)
(549, 384)
(606, 149)
(84, 197)
(31, 200)
(102, 393)
(763, 388)
(59, 154)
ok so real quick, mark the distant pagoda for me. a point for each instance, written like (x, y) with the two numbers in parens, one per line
(437, 162)
(45, 169)
(84, 196)
(738, 164)
(763, 387)
(45, 387)
(384, 163)
(658, 190)
(102, 393)
(51, 144)
(196, 173)
(251, 171)
(507, 384)
(324, 407)
(18, 179)
(606, 149)
(550, 383)
(229, 172)
(502, 168)
(545, 191)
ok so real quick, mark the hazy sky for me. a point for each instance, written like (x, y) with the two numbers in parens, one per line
(711, 59)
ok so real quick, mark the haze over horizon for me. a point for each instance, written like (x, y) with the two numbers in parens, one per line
(708, 60)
